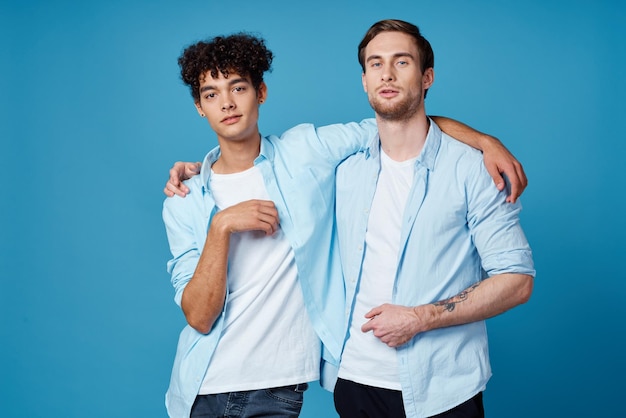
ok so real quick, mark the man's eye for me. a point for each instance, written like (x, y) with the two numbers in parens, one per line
(239, 89)
(209, 96)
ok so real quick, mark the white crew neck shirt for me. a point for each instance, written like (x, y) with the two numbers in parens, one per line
(366, 359)
(267, 339)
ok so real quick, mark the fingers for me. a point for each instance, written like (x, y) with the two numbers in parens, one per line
(191, 169)
(374, 312)
(516, 176)
(498, 161)
(494, 172)
(178, 189)
(251, 215)
(268, 216)
(381, 332)
(371, 315)
(518, 182)
(179, 172)
(522, 176)
(268, 224)
(367, 327)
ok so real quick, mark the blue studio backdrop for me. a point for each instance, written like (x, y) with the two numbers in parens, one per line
(93, 114)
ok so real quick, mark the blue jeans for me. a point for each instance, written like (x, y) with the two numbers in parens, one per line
(285, 401)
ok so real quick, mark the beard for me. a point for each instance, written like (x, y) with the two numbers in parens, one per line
(395, 112)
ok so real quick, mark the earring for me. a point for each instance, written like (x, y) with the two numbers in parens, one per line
(202, 114)
(261, 101)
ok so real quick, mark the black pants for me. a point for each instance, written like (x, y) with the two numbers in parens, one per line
(354, 400)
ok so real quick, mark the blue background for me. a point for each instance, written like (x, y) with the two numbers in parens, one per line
(93, 115)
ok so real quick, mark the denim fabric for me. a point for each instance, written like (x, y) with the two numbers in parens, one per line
(285, 401)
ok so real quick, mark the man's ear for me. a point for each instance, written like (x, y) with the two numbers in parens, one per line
(199, 109)
(262, 92)
(364, 82)
(428, 78)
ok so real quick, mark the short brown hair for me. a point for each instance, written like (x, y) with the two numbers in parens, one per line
(427, 56)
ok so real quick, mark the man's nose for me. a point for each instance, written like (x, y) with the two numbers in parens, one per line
(387, 76)
(227, 105)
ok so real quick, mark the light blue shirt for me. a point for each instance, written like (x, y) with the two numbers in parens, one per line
(298, 169)
(455, 225)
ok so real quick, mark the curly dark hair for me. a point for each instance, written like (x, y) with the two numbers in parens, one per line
(239, 53)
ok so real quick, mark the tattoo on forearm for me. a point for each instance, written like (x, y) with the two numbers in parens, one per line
(450, 304)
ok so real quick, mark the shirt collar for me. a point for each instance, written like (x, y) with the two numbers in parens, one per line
(427, 156)
(205, 171)
(267, 153)
(431, 147)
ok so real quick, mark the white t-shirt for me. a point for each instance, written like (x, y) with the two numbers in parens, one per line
(366, 359)
(268, 339)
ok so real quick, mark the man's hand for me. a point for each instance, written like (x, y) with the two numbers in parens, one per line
(251, 215)
(394, 324)
(499, 160)
(178, 173)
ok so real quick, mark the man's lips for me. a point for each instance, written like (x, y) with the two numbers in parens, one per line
(229, 120)
(388, 92)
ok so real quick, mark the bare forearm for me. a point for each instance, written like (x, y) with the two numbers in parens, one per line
(394, 325)
(203, 297)
(483, 300)
(464, 133)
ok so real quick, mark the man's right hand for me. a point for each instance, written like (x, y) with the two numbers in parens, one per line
(178, 173)
(250, 215)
